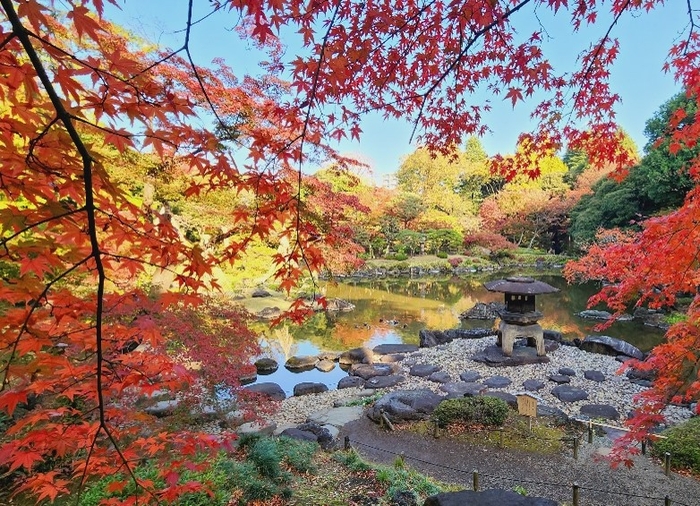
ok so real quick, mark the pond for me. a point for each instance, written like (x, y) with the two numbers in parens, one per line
(394, 310)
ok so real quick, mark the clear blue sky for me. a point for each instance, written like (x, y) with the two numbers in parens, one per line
(637, 76)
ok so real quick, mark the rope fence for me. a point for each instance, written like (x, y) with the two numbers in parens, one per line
(476, 475)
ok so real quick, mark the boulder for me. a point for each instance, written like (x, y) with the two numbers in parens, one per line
(269, 389)
(269, 313)
(497, 382)
(384, 381)
(329, 355)
(356, 356)
(162, 408)
(492, 497)
(391, 349)
(600, 411)
(463, 389)
(260, 292)
(350, 382)
(607, 345)
(266, 365)
(431, 338)
(533, 385)
(470, 376)
(423, 370)
(309, 387)
(591, 314)
(301, 363)
(325, 365)
(367, 371)
(302, 435)
(594, 376)
(567, 393)
(323, 435)
(405, 405)
(339, 305)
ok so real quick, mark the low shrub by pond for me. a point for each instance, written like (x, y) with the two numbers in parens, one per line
(683, 443)
(481, 410)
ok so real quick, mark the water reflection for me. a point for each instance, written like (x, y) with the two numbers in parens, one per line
(395, 310)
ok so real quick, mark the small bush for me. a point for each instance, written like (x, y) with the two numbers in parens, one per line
(683, 443)
(441, 254)
(483, 410)
(455, 261)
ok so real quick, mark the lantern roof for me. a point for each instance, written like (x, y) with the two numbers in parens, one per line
(520, 285)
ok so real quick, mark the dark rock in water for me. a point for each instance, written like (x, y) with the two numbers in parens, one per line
(269, 313)
(423, 370)
(509, 399)
(260, 292)
(567, 371)
(493, 497)
(356, 356)
(390, 349)
(493, 356)
(463, 389)
(272, 390)
(367, 371)
(607, 345)
(384, 381)
(533, 385)
(600, 411)
(483, 311)
(406, 405)
(497, 382)
(591, 314)
(329, 355)
(559, 378)
(351, 382)
(470, 376)
(567, 393)
(309, 387)
(440, 377)
(594, 376)
(301, 363)
(266, 365)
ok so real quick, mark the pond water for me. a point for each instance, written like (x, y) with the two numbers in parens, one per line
(394, 310)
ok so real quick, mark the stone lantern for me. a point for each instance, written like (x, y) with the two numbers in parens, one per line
(519, 318)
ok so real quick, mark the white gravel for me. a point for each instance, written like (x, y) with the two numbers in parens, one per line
(456, 357)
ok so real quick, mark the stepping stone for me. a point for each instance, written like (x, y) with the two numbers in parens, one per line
(325, 365)
(351, 382)
(356, 356)
(272, 390)
(497, 382)
(600, 411)
(567, 371)
(309, 387)
(509, 399)
(367, 371)
(559, 378)
(463, 389)
(594, 376)
(423, 370)
(533, 385)
(440, 377)
(556, 413)
(390, 349)
(337, 417)
(266, 365)
(303, 363)
(470, 376)
(384, 381)
(567, 393)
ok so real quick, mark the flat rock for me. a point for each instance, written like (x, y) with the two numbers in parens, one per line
(356, 356)
(384, 381)
(470, 376)
(440, 377)
(594, 376)
(261, 427)
(301, 363)
(390, 349)
(336, 417)
(567, 393)
(266, 365)
(492, 497)
(271, 390)
(325, 365)
(497, 382)
(559, 378)
(493, 356)
(350, 382)
(592, 314)
(309, 387)
(162, 408)
(509, 399)
(463, 389)
(405, 405)
(600, 411)
(367, 371)
(533, 385)
(567, 371)
(423, 370)
(549, 411)
(607, 345)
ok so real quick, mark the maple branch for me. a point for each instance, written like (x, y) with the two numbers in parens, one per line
(7, 40)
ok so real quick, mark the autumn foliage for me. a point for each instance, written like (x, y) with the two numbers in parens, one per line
(83, 336)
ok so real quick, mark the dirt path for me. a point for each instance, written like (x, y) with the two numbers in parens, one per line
(548, 476)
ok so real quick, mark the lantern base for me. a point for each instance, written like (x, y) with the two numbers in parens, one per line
(508, 333)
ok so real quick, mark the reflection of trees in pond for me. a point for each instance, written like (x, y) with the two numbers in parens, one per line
(280, 342)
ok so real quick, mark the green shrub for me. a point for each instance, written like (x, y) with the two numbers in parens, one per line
(441, 254)
(683, 443)
(483, 410)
